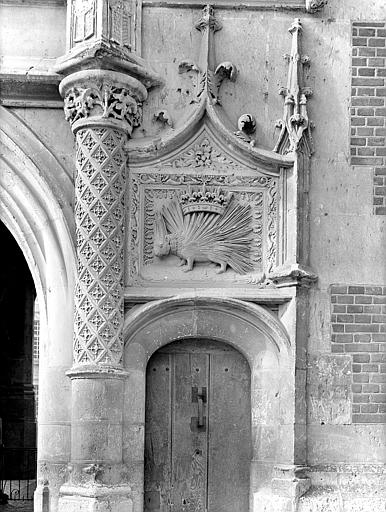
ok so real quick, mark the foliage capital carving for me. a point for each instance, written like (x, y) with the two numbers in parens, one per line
(104, 98)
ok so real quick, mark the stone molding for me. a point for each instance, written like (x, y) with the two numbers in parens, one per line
(32, 206)
(139, 317)
(154, 189)
(95, 371)
(20, 90)
(311, 6)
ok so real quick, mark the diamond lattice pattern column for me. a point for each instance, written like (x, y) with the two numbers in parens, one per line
(99, 214)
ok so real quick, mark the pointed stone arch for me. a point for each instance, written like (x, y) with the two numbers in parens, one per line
(35, 205)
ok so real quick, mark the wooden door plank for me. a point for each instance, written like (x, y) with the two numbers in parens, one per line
(191, 469)
(189, 452)
(157, 437)
(230, 433)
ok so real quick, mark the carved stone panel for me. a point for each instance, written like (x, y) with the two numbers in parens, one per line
(201, 220)
(83, 20)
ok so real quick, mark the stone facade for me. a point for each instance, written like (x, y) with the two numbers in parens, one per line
(169, 176)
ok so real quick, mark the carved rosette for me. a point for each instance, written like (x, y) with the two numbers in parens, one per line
(102, 108)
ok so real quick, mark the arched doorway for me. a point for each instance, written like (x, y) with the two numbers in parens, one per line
(251, 330)
(17, 393)
(198, 428)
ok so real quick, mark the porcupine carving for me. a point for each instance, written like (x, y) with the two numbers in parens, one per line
(205, 227)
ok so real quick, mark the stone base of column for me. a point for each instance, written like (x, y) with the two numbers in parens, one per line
(288, 484)
(96, 498)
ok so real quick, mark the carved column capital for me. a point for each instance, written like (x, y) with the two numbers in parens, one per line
(102, 98)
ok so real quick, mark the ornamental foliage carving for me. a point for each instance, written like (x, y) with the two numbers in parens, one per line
(103, 102)
(203, 155)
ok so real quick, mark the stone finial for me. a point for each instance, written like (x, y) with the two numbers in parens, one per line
(210, 75)
(295, 125)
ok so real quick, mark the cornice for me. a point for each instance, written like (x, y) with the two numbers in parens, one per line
(35, 91)
(34, 3)
(311, 6)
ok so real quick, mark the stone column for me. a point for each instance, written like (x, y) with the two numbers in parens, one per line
(103, 91)
(102, 106)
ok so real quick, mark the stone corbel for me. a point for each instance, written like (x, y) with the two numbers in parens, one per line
(293, 275)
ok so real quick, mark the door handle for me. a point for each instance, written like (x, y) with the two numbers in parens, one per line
(200, 397)
(200, 421)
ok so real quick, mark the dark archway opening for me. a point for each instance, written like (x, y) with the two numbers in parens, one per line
(17, 393)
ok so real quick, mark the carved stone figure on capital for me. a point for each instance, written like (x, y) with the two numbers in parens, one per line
(205, 225)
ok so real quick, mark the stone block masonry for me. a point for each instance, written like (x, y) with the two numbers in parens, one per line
(368, 104)
(358, 323)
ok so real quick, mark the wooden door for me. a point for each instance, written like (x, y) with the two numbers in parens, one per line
(198, 433)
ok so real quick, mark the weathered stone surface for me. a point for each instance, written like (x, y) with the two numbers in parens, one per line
(329, 389)
(333, 444)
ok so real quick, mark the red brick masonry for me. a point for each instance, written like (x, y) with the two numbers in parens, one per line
(358, 323)
(368, 104)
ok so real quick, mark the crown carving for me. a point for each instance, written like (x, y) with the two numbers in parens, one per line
(205, 199)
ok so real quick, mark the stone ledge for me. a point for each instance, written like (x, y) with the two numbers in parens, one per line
(34, 91)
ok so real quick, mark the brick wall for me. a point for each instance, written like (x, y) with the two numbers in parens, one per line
(379, 200)
(368, 104)
(359, 329)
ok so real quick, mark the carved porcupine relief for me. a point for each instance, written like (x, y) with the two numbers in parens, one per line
(206, 225)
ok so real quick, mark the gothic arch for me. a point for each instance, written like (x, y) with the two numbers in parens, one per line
(35, 194)
(252, 330)
(31, 182)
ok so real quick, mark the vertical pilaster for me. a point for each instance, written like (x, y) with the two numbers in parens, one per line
(103, 89)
